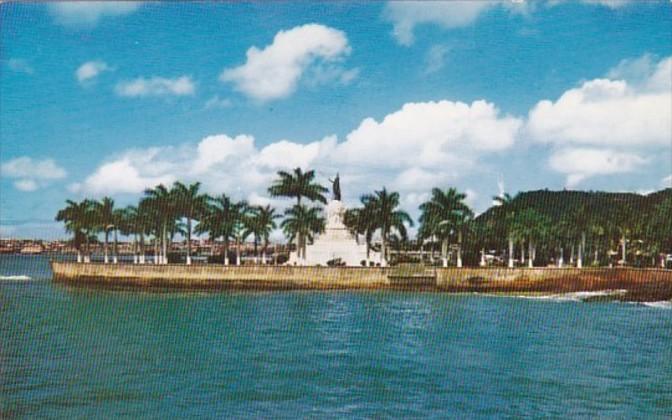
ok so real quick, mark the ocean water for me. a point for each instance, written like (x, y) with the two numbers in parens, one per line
(76, 352)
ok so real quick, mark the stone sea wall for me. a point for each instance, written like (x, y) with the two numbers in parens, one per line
(640, 283)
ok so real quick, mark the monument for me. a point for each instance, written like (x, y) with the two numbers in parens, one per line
(336, 246)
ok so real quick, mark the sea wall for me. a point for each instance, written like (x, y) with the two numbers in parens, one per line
(646, 283)
(214, 276)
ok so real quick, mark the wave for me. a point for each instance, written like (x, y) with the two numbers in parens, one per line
(579, 296)
(662, 304)
(15, 278)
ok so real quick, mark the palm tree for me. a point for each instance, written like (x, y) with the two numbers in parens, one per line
(530, 226)
(77, 218)
(506, 204)
(660, 228)
(443, 216)
(127, 224)
(384, 211)
(622, 218)
(303, 223)
(219, 220)
(105, 218)
(360, 221)
(298, 184)
(190, 205)
(159, 201)
(119, 218)
(260, 224)
(240, 214)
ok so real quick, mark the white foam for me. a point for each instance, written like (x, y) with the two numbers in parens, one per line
(15, 278)
(577, 296)
(662, 304)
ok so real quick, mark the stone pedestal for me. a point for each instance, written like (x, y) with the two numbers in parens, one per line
(336, 243)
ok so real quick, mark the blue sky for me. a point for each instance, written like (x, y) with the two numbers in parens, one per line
(107, 99)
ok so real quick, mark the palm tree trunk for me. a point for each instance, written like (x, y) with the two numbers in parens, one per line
(188, 240)
(522, 252)
(256, 251)
(263, 252)
(595, 258)
(105, 250)
(237, 251)
(226, 251)
(87, 255)
(115, 257)
(135, 248)
(571, 255)
(444, 252)
(383, 249)
(459, 249)
(79, 256)
(582, 245)
(482, 263)
(511, 252)
(624, 253)
(142, 248)
(530, 262)
(561, 260)
(164, 258)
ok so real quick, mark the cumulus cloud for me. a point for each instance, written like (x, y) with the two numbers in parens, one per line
(406, 15)
(410, 150)
(156, 86)
(89, 13)
(274, 71)
(20, 65)
(608, 125)
(581, 163)
(441, 134)
(90, 70)
(610, 112)
(31, 174)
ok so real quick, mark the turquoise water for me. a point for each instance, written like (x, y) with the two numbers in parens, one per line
(80, 352)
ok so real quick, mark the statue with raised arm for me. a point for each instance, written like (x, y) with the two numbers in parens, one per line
(336, 187)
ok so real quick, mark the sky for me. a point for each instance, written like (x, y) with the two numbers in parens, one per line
(107, 99)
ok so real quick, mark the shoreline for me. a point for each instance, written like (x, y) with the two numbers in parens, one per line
(641, 285)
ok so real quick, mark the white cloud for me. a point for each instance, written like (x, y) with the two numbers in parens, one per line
(20, 65)
(30, 173)
(611, 112)
(436, 58)
(440, 134)
(217, 102)
(27, 185)
(287, 154)
(406, 15)
(221, 149)
(609, 3)
(666, 182)
(156, 86)
(121, 176)
(89, 13)
(582, 163)
(411, 150)
(274, 72)
(90, 70)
